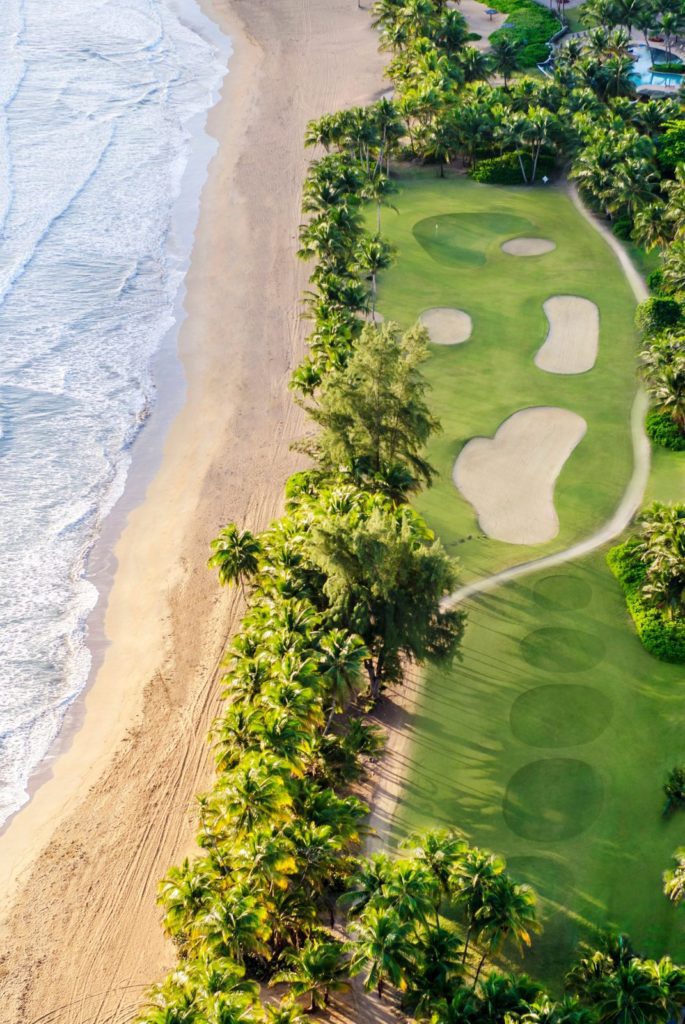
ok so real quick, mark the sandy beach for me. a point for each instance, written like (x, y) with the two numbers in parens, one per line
(79, 929)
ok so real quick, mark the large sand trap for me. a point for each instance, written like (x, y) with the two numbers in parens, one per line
(528, 246)
(447, 326)
(509, 479)
(572, 342)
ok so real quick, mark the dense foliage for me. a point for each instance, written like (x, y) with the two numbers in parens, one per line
(529, 26)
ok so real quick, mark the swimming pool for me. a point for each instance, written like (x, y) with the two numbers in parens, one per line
(644, 57)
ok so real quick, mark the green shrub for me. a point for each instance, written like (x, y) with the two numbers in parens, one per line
(668, 67)
(670, 147)
(506, 169)
(529, 24)
(664, 638)
(655, 281)
(623, 228)
(657, 314)
(664, 431)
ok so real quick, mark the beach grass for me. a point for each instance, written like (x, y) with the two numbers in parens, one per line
(550, 740)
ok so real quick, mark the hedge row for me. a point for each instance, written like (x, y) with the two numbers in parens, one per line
(506, 169)
(528, 23)
(662, 430)
(662, 637)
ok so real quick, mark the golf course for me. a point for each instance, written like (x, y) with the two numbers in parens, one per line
(549, 740)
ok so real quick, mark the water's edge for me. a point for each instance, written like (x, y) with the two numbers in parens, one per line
(168, 376)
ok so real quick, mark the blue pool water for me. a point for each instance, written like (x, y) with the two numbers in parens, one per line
(642, 72)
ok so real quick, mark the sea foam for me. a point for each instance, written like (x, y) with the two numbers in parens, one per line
(100, 105)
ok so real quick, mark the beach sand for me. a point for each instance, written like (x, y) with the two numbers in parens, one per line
(80, 934)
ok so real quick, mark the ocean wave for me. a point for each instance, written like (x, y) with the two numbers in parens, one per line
(99, 107)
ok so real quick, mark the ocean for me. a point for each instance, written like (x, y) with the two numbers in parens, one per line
(102, 110)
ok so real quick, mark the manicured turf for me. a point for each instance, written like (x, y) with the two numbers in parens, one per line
(549, 742)
(448, 235)
(559, 768)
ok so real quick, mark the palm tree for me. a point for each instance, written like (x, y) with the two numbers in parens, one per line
(236, 556)
(367, 884)
(383, 948)
(341, 663)
(285, 1012)
(439, 970)
(251, 794)
(373, 255)
(315, 971)
(509, 912)
(235, 924)
(439, 850)
(185, 893)
(412, 892)
(505, 57)
(674, 878)
(472, 880)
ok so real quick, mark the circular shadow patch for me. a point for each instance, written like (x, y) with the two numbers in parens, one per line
(555, 649)
(560, 716)
(567, 593)
(552, 879)
(553, 799)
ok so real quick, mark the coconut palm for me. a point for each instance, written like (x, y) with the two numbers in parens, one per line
(185, 893)
(250, 795)
(236, 556)
(439, 850)
(438, 970)
(508, 912)
(371, 256)
(471, 882)
(367, 885)
(383, 949)
(315, 971)
(505, 57)
(341, 662)
(674, 878)
(236, 923)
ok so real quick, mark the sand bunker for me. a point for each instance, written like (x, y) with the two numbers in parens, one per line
(447, 326)
(528, 246)
(509, 479)
(573, 339)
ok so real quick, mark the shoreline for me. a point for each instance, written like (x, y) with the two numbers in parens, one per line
(81, 861)
(146, 449)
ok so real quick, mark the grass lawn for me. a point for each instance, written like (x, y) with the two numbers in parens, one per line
(448, 235)
(549, 742)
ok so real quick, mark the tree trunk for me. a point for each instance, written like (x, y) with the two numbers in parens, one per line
(480, 968)
(466, 943)
(381, 986)
(523, 169)
(442, 168)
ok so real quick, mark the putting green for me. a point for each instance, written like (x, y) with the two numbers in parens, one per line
(550, 740)
(476, 387)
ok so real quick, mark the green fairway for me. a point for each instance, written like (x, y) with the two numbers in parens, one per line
(448, 235)
(550, 741)
(558, 766)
